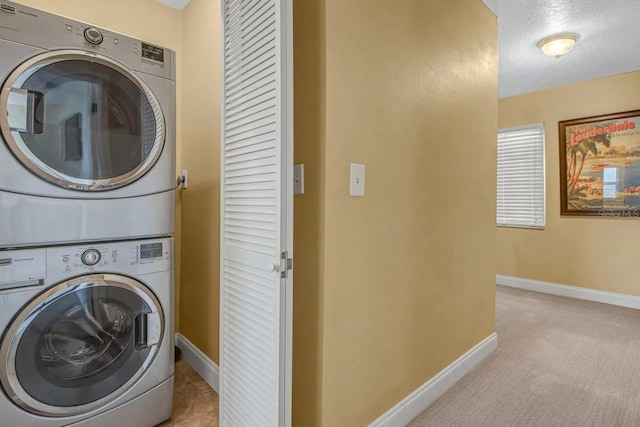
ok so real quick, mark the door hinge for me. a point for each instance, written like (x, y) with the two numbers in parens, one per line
(286, 264)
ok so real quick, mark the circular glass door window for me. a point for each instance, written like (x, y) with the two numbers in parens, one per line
(82, 346)
(81, 121)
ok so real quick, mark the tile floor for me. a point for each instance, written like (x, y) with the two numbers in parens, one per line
(195, 404)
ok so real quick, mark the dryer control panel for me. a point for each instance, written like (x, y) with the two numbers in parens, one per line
(33, 27)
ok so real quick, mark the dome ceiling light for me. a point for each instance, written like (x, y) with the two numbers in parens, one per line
(558, 45)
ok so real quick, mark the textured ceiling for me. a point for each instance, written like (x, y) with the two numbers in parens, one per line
(609, 32)
(176, 4)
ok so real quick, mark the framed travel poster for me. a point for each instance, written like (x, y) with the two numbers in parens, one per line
(600, 165)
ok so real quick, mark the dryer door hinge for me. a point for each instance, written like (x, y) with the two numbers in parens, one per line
(286, 264)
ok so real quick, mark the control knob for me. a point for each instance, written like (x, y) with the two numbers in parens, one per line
(93, 35)
(91, 257)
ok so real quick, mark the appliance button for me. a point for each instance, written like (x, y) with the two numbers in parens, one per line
(93, 35)
(65, 259)
(91, 257)
(7, 8)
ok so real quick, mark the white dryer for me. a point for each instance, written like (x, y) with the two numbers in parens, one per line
(87, 120)
(87, 335)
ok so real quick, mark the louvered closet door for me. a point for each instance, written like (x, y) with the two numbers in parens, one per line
(257, 214)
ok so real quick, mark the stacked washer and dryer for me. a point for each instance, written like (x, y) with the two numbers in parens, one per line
(87, 186)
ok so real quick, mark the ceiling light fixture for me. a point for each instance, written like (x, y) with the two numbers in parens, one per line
(558, 45)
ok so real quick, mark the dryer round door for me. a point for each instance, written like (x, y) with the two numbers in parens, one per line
(80, 345)
(81, 120)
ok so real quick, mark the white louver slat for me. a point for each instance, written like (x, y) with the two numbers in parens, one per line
(521, 177)
(256, 214)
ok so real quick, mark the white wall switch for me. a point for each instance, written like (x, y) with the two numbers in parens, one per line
(356, 187)
(298, 179)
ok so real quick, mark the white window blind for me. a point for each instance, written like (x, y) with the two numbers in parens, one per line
(521, 177)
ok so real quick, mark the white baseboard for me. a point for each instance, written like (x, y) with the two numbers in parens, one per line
(412, 405)
(199, 361)
(605, 297)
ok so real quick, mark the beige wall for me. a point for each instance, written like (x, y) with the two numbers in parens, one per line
(596, 253)
(123, 16)
(199, 315)
(410, 268)
(308, 234)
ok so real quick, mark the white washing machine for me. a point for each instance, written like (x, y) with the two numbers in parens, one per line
(87, 335)
(87, 119)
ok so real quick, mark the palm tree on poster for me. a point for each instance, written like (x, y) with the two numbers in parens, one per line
(576, 156)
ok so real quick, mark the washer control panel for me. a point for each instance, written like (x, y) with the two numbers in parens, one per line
(136, 257)
(22, 268)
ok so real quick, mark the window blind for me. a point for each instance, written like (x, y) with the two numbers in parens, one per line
(521, 177)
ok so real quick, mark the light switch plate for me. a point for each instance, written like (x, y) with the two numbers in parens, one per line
(356, 187)
(298, 179)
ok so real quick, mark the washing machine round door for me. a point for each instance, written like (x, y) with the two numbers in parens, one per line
(81, 120)
(80, 345)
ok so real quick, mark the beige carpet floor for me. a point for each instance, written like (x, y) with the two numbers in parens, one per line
(559, 362)
(195, 404)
